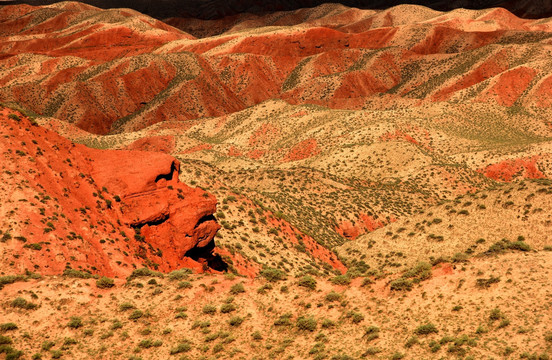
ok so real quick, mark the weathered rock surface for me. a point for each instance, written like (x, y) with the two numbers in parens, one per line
(105, 211)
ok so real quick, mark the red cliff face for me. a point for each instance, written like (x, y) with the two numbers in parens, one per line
(105, 211)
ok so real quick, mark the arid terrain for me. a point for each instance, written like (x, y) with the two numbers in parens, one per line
(324, 183)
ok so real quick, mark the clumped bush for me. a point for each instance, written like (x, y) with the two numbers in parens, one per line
(237, 289)
(401, 284)
(226, 308)
(235, 321)
(333, 296)
(21, 303)
(283, 320)
(181, 348)
(307, 323)
(355, 317)
(105, 283)
(126, 306)
(257, 335)
(144, 272)
(341, 280)
(77, 274)
(371, 333)
(184, 285)
(8, 326)
(327, 323)
(426, 329)
(273, 275)
(179, 274)
(136, 314)
(307, 282)
(486, 283)
(75, 322)
(209, 309)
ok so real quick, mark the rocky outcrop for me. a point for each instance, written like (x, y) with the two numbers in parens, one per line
(104, 211)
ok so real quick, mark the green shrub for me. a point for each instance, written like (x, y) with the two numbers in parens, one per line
(181, 348)
(136, 314)
(126, 306)
(105, 283)
(401, 284)
(144, 272)
(57, 354)
(235, 321)
(307, 323)
(8, 326)
(4, 340)
(72, 273)
(21, 303)
(283, 320)
(75, 322)
(333, 296)
(341, 280)
(273, 275)
(327, 323)
(355, 317)
(371, 333)
(209, 309)
(307, 282)
(179, 274)
(257, 335)
(237, 289)
(185, 285)
(226, 308)
(47, 345)
(425, 329)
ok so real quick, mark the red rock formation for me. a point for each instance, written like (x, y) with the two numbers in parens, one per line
(509, 169)
(105, 211)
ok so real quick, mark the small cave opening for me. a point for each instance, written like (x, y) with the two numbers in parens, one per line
(170, 175)
(206, 257)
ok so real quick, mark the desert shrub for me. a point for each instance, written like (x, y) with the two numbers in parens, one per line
(226, 308)
(235, 321)
(495, 314)
(257, 335)
(371, 333)
(411, 342)
(307, 282)
(237, 289)
(47, 345)
(21, 303)
(355, 317)
(75, 322)
(426, 329)
(548, 337)
(8, 326)
(4, 340)
(72, 273)
(333, 296)
(397, 356)
(184, 285)
(283, 320)
(179, 274)
(209, 309)
(307, 323)
(183, 347)
(486, 283)
(341, 280)
(105, 283)
(144, 272)
(136, 314)
(10, 279)
(126, 306)
(327, 323)
(14, 117)
(401, 284)
(422, 271)
(273, 275)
